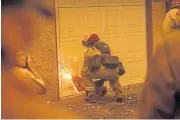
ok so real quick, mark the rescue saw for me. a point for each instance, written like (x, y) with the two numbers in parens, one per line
(78, 82)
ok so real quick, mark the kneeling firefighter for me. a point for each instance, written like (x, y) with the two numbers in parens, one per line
(99, 66)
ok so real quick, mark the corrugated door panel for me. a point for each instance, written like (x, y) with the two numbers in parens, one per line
(100, 3)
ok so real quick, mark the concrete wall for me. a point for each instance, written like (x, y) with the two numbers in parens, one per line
(43, 51)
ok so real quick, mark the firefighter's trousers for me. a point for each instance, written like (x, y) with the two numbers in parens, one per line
(95, 79)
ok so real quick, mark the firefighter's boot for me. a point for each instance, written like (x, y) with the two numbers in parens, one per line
(118, 95)
(92, 97)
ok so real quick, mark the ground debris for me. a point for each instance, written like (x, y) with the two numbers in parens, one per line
(108, 109)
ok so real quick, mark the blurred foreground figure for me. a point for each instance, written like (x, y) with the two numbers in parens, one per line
(99, 66)
(19, 93)
(161, 94)
(172, 18)
(24, 69)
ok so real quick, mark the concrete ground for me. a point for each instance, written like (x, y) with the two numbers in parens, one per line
(106, 108)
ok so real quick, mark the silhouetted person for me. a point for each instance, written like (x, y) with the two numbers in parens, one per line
(172, 19)
(161, 94)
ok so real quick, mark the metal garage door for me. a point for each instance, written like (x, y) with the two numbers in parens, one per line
(120, 23)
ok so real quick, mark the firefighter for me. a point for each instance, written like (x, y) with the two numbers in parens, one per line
(172, 18)
(95, 72)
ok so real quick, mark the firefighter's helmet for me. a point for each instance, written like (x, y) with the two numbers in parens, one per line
(90, 39)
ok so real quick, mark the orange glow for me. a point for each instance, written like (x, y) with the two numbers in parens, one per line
(68, 76)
